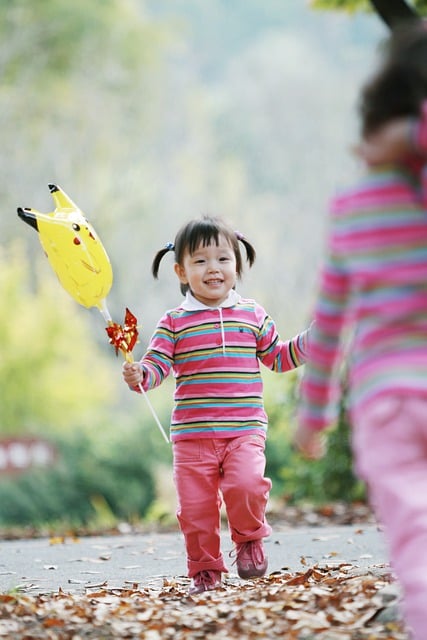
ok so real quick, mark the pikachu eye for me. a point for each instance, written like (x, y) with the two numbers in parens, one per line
(76, 227)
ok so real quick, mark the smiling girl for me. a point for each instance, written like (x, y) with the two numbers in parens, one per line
(214, 342)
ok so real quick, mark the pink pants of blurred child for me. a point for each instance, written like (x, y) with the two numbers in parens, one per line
(390, 446)
(203, 470)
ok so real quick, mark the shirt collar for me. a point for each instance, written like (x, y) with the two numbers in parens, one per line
(192, 304)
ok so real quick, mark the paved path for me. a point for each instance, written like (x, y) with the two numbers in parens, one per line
(40, 566)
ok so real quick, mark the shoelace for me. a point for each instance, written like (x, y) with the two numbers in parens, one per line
(253, 551)
(205, 578)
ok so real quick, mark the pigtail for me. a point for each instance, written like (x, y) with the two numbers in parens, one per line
(250, 250)
(158, 257)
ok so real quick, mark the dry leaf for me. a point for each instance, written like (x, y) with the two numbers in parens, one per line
(328, 603)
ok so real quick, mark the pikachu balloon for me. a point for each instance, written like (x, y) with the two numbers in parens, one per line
(73, 249)
(81, 263)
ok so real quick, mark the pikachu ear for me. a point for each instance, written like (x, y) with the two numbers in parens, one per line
(29, 216)
(394, 12)
(61, 200)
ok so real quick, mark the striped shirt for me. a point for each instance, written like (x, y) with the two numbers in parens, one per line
(214, 354)
(372, 300)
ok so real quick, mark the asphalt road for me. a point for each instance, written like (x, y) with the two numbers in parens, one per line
(76, 566)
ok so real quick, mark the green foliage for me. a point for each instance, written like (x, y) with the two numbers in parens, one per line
(52, 374)
(64, 37)
(88, 485)
(327, 480)
(337, 468)
(55, 379)
(346, 5)
(298, 479)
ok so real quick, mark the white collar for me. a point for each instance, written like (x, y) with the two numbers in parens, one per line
(192, 304)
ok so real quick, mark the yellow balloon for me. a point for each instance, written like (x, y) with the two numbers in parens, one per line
(73, 249)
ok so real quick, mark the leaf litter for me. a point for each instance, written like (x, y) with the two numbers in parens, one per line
(334, 602)
(340, 601)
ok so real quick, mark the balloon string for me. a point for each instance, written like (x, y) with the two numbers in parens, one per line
(154, 414)
(129, 358)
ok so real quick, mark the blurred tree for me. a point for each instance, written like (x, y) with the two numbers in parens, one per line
(364, 5)
(61, 39)
(79, 80)
(148, 112)
(52, 375)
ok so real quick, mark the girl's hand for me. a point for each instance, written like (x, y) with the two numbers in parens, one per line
(312, 444)
(132, 373)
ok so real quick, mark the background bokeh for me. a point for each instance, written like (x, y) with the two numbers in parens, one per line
(147, 113)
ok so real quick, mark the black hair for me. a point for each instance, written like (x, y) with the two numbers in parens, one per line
(399, 86)
(203, 231)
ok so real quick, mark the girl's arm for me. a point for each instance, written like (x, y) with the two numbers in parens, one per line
(157, 361)
(281, 355)
(320, 387)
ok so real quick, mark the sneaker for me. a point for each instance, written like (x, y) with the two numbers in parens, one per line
(205, 581)
(251, 560)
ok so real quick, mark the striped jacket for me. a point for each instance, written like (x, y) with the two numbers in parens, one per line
(373, 287)
(214, 354)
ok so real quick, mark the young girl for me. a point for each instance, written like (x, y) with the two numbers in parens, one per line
(374, 279)
(213, 342)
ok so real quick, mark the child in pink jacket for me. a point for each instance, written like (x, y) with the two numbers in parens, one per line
(372, 310)
(214, 342)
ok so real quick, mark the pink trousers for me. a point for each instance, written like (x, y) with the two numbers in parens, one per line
(390, 447)
(207, 471)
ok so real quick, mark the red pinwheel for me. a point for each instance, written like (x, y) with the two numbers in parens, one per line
(124, 337)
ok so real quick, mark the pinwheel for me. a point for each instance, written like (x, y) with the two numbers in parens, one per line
(82, 266)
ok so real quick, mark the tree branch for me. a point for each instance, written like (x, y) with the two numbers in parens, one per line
(394, 12)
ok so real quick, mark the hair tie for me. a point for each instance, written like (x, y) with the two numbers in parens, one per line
(239, 235)
(170, 246)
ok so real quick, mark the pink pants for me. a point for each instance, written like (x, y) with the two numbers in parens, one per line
(204, 470)
(390, 447)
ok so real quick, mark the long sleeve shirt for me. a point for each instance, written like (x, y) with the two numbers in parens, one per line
(373, 287)
(215, 355)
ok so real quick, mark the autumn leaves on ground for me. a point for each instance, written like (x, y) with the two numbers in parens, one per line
(334, 601)
(326, 603)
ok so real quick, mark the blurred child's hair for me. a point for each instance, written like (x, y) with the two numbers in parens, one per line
(204, 231)
(399, 86)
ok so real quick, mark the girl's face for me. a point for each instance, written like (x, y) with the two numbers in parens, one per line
(210, 272)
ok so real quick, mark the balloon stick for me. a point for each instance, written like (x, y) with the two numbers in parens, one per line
(123, 338)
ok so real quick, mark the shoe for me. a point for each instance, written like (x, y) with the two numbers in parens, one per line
(205, 581)
(251, 560)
